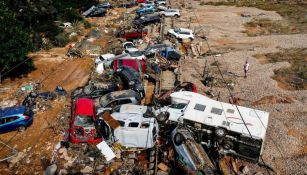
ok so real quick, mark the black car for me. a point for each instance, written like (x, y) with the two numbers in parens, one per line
(131, 80)
(151, 50)
(147, 20)
(93, 91)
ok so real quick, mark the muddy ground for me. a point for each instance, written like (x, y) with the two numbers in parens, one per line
(285, 148)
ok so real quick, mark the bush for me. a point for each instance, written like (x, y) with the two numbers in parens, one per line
(87, 25)
(61, 40)
(71, 15)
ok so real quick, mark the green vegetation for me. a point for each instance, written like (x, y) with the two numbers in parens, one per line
(265, 27)
(293, 11)
(294, 76)
(25, 23)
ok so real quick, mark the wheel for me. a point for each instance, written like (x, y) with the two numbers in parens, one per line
(220, 132)
(178, 139)
(191, 38)
(177, 16)
(162, 117)
(21, 128)
(227, 144)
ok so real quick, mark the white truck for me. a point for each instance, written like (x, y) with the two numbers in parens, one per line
(235, 129)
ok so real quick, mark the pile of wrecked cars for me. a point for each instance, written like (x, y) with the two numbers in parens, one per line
(179, 126)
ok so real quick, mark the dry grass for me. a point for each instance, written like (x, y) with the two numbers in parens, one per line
(293, 11)
(295, 76)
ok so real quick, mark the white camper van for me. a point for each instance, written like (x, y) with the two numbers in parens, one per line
(218, 123)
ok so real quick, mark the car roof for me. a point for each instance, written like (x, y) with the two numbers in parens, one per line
(12, 111)
(85, 106)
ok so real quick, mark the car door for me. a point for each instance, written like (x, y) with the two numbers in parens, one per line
(9, 124)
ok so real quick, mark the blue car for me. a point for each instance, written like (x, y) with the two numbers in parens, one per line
(145, 10)
(15, 118)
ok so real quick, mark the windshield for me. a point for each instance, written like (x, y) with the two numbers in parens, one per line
(105, 100)
(136, 53)
(84, 121)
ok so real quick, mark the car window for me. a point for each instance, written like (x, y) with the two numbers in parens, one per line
(216, 111)
(121, 123)
(10, 119)
(145, 125)
(84, 121)
(178, 106)
(184, 33)
(124, 101)
(1, 121)
(200, 107)
(133, 124)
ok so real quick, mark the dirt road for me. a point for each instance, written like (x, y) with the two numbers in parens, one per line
(286, 143)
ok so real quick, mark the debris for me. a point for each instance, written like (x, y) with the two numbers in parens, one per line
(163, 167)
(63, 172)
(106, 151)
(87, 170)
(245, 170)
(50, 170)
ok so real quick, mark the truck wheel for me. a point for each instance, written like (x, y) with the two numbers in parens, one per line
(178, 139)
(21, 128)
(162, 117)
(220, 132)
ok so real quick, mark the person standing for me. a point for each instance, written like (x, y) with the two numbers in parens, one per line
(246, 68)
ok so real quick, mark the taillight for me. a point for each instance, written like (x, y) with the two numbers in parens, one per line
(26, 117)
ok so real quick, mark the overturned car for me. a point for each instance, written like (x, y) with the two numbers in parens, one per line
(233, 129)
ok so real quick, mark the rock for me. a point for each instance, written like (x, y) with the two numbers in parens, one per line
(87, 169)
(99, 167)
(91, 159)
(50, 170)
(57, 146)
(245, 170)
(63, 172)
(62, 150)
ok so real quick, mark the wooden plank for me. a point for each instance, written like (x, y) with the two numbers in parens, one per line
(110, 120)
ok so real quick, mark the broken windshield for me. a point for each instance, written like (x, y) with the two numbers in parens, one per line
(84, 121)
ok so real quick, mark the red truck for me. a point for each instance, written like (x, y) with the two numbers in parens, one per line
(138, 65)
(83, 128)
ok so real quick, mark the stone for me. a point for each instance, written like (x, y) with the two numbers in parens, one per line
(63, 172)
(87, 169)
(99, 167)
(50, 170)
(57, 146)
(245, 170)
(62, 150)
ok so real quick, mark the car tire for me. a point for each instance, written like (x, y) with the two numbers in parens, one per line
(191, 39)
(177, 16)
(162, 117)
(21, 128)
(178, 139)
(220, 132)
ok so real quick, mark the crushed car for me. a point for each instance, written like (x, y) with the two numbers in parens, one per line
(113, 99)
(170, 13)
(131, 79)
(132, 34)
(217, 123)
(82, 126)
(94, 90)
(135, 130)
(95, 11)
(147, 20)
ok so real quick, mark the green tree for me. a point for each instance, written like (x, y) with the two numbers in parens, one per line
(14, 46)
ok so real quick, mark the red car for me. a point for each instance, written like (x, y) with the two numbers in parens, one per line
(138, 65)
(83, 122)
(131, 35)
(141, 1)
